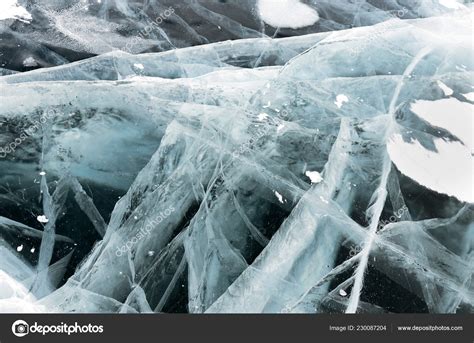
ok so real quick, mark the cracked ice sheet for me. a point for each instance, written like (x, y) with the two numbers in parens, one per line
(230, 150)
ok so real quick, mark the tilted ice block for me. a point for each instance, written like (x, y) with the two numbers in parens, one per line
(188, 62)
(277, 268)
(74, 117)
(71, 30)
(138, 214)
(350, 53)
(164, 277)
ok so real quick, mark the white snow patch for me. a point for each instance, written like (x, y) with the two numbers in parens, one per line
(30, 62)
(447, 91)
(262, 116)
(447, 170)
(469, 96)
(323, 199)
(19, 248)
(279, 196)
(139, 66)
(450, 114)
(287, 13)
(340, 100)
(42, 219)
(314, 176)
(342, 293)
(9, 9)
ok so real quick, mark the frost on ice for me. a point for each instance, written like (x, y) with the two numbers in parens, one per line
(254, 175)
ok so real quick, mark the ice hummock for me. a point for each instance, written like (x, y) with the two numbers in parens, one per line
(57, 32)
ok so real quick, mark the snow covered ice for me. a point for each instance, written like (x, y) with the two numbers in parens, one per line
(233, 159)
